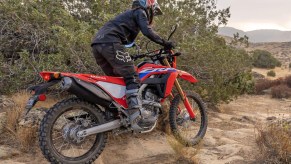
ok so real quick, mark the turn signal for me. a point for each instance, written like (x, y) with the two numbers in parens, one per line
(57, 75)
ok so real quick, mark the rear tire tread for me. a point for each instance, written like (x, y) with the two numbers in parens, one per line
(48, 119)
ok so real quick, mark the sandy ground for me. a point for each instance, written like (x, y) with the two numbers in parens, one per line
(230, 138)
(278, 70)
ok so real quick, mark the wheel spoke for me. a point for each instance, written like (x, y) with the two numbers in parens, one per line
(188, 129)
(65, 119)
(68, 146)
(60, 148)
(57, 138)
(73, 150)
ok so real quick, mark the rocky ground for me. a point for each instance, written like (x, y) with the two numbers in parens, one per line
(230, 138)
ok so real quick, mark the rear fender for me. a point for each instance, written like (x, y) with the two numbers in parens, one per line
(42, 88)
(38, 94)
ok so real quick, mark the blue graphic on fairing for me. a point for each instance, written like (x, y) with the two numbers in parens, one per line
(144, 73)
(129, 45)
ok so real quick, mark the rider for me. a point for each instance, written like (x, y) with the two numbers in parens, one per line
(109, 52)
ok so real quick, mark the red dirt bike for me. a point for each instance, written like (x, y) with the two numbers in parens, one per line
(75, 130)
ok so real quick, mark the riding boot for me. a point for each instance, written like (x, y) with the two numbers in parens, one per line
(134, 108)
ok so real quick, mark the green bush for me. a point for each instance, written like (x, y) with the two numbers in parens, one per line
(41, 35)
(271, 73)
(264, 59)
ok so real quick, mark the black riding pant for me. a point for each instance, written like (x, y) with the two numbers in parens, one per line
(115, 61)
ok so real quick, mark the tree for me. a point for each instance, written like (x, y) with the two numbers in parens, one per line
(56, 35)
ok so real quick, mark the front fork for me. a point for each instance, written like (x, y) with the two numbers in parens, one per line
(182, 94)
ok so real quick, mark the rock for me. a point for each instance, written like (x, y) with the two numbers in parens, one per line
(244, 119)
(5, 102)
(271, 118)
(6, 152)
(257, 75)
(287, 121)
(33, 118)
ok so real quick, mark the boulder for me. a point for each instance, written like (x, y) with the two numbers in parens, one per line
(257, 75)
(33, 118)
(272, 118)
(5, 102)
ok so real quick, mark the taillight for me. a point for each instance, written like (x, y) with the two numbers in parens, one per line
(46, 77)
(41, 97)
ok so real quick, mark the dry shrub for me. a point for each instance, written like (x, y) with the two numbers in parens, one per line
(262, 85)
(184, 154)
(288, 81)
(13, 115)
(274, 143)
(278, 81)
(281, 91)
(27, 137)
(163, 121)
(22, 137)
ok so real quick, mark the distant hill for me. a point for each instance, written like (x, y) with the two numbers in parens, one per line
(258, 36)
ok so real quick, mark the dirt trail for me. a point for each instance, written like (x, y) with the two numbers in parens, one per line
(230, 138)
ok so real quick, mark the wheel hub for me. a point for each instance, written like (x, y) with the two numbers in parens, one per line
(70, 133)
(183, 118)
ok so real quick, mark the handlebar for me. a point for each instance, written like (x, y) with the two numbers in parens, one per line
(159, 55)
(152, 54)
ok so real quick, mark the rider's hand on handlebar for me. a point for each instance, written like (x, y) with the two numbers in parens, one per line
(168, 45)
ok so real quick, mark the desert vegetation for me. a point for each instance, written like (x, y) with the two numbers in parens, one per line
(271, 73)
(20, 131)
(280, 88)
(56, 36)
(264, 59)
(274, 142)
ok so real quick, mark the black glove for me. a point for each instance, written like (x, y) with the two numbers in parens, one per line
(168, 45)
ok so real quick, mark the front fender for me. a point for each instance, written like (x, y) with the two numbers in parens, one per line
(187, 76)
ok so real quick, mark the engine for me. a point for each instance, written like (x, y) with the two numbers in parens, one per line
(151, 109)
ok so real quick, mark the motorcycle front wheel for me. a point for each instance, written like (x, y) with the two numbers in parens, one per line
(58, 132)
(187, 131)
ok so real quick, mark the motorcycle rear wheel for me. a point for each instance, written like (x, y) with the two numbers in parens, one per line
(57, 128)
(188, 132)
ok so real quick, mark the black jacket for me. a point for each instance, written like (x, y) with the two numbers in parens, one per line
(125, 27)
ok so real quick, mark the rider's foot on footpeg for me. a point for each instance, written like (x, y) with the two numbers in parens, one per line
(134, 118)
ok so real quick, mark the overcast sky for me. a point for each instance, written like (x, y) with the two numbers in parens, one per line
(258, 14)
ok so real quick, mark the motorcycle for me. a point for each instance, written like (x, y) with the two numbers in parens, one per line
(75, 129)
